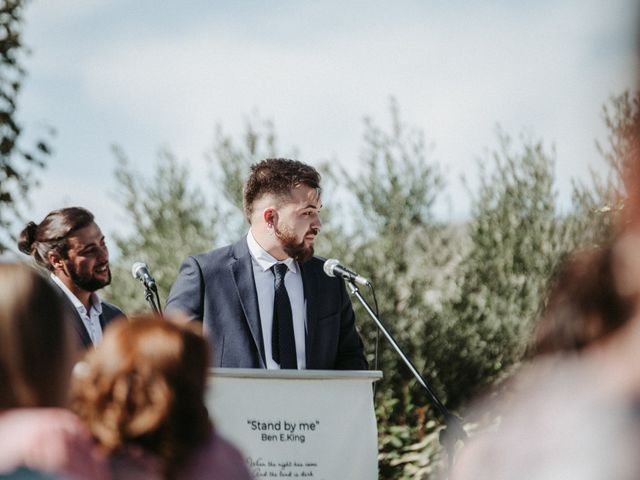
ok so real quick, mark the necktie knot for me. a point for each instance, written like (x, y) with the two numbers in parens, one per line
(279, 271)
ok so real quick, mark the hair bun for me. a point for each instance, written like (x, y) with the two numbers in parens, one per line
(27, 238)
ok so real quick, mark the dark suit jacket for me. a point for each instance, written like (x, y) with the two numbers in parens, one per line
(109, 313)
(218, 288)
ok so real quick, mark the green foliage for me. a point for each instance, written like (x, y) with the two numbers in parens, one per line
(396, 242)
(17, 163)
(601, 202)
(622, 119)
(409, 450)
(517, 238)
(460, 301)
(397, 239)
(169, 219)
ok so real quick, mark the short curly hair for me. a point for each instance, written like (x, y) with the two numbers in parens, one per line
(276, 176)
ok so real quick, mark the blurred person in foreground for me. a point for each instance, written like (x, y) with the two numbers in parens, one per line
(36, 350)
(70, 245)
(141, 393)
(265, 301)
(573, 413)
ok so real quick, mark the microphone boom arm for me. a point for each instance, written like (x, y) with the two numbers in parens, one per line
(453, 430)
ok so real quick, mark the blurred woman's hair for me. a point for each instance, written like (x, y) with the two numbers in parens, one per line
(36, 351)
(144, 386)
(593, 293)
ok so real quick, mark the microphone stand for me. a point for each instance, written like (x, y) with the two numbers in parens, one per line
(148, 295)
(453, 430)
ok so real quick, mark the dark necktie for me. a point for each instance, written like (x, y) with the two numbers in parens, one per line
(283, 342)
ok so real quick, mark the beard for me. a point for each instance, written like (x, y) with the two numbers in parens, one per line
(87, 281)
(296, 250)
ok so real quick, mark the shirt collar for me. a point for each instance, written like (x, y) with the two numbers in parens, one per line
(264, 259)
(96, 304)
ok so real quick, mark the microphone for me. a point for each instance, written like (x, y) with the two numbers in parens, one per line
(333, 268)
(140, 271)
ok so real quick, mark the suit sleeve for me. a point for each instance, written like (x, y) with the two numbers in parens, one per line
(187, 293)
(350, 348)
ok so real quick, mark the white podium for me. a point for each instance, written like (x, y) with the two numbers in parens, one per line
(312, 424)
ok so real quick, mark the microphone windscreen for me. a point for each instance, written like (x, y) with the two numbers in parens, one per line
(136, 267)
(329, 265)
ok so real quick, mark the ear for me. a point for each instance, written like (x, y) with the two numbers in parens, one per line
(270, 216)
(55, 260)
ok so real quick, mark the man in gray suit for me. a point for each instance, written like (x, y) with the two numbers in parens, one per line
(70, 245)
(265, 301)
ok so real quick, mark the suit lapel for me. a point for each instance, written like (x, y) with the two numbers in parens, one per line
(242, 273)
(103, 319)
(78, 324)
(310, 286)
(81, 329)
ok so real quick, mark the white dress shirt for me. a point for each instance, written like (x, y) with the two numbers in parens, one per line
(265, 287)
(91, 319)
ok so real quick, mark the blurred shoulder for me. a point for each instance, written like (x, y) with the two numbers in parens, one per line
(52, 440)
(219, 456)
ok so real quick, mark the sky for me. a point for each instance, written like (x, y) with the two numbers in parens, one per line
(146, 75)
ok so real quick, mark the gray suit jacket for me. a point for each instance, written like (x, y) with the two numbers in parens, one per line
(218, 288)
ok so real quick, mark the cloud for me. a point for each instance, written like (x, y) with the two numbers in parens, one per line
(456, 68)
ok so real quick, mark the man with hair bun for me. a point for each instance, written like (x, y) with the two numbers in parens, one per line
(70, 245)
(265, 301)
